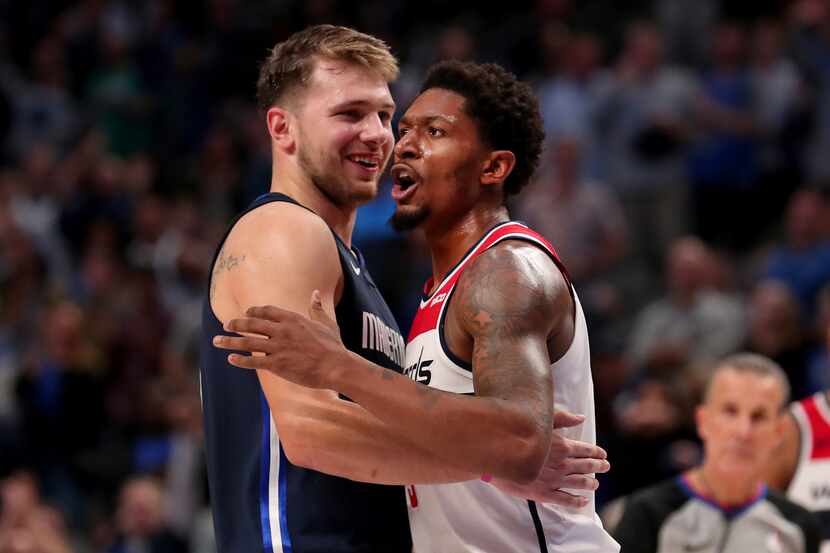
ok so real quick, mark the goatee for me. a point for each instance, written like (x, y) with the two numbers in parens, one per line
(403, 221)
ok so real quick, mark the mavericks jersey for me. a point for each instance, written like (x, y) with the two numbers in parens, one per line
(810, 486)
(261, 502)
(475, 516)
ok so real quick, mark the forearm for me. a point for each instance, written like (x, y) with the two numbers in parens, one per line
(477, 434)
(337, 437)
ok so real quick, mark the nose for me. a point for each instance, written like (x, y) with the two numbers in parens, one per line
(374, 131)
(407, 147)
(743, 428)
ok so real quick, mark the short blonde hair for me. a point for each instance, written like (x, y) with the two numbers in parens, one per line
(290, 63)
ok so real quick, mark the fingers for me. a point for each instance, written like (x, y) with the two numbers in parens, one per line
(565, 499)
(269, 312)
(584, 449)
(584, 466)
(251, 326)
(564, 419)
(580, 482)
(243, 343)
(259, 362)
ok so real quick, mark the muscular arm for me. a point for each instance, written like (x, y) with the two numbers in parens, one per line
(508, 301)
(278, 255)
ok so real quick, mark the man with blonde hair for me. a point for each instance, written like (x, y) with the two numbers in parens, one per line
(298, 469)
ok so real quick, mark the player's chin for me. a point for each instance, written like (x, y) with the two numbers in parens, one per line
(363, 191)
(408, 217)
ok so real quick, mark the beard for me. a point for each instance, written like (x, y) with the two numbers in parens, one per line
(409, 219)
(331, 183)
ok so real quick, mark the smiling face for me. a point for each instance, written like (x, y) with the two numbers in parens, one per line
(439, 160)
(343, 134)
(739, 422)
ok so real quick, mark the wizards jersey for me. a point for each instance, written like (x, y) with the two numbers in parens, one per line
(810, 486)
(474, 516)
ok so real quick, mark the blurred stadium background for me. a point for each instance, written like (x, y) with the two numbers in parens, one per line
(686, 184)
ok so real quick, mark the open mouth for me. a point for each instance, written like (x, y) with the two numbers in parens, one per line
(405, 181)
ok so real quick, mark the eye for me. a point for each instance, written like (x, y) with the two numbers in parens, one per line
(349, 114)
(402, 131)
(435, 131)
(385, 117)
(759, 416)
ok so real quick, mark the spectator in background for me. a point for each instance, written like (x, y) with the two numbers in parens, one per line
(42, 108)
(810, 23)
(27, 525)
(568, 99)
(776, 331)
(692, 323)
(780, 107)
(118, 97)
(723, 505)
(643, 120)
(674, 340)
(724, 163)
(140, 519)
(686, 30)
(802, 260)
(60, 398)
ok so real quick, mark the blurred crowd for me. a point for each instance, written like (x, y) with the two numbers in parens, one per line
(685, 183)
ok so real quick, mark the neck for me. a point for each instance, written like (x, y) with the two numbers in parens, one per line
(293, 182)
(726, 490)
(449, 243)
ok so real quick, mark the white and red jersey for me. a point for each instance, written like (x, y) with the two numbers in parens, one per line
(474, 516)
(810, 486)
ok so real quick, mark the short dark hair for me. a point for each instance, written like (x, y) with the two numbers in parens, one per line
(505, 109)
(290, 63)
(755, 364)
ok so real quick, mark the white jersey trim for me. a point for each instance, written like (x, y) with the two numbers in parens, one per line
(805, 436)
(448, 355)
(463, 261)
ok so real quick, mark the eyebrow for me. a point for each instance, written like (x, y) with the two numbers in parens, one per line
(424, 119)
(362, 103)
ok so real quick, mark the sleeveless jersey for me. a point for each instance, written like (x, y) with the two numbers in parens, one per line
(261, 502)
(810, 486)
(475, 516)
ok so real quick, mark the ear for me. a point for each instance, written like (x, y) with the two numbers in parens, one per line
(701, 421)
(497, 167)
(280, 127)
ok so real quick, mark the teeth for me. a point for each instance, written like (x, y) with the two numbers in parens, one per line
(365, 160)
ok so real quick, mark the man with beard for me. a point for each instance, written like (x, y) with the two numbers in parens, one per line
(297, 469)
(499, 340)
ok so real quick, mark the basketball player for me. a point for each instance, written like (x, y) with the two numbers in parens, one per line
(499, 325)
(723, 505)
(296, 469)
(800, 467)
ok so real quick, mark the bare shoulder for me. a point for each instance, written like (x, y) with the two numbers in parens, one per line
(515, 285)
(282, 228)
(275, 253)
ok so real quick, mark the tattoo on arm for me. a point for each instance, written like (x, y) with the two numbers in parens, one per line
(224, 262)
(509, 300)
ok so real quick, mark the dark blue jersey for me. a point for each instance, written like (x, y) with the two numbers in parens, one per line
(263, 503)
